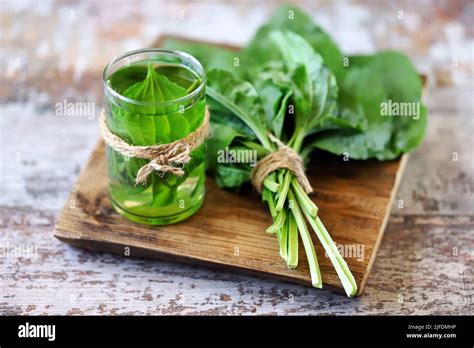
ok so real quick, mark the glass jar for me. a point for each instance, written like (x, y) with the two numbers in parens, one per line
(154, 96)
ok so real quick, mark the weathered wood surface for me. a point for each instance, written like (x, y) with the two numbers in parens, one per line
(425, 261)
(354, 199)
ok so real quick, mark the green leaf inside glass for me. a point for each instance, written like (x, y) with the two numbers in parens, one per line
(152, 114)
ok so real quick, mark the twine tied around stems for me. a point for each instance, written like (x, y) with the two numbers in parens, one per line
(165, 158)
(283, 157)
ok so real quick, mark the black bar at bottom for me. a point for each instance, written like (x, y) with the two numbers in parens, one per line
(344, 330)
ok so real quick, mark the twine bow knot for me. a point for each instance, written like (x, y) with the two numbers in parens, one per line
(164, 158)
(283, 157)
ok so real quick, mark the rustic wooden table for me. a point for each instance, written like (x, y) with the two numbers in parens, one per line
(53, 54)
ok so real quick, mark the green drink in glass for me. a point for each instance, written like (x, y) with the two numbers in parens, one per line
(155, 97)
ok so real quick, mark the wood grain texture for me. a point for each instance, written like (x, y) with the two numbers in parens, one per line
(354, 199)
(425, 261)
(416, 273)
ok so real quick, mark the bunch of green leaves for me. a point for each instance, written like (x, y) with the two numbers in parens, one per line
(364, 83)
(294, 82)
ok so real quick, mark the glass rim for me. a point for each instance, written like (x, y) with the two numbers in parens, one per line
(181, 54)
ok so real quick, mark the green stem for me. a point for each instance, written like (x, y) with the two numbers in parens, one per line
(282, 236)
(284, 190)
(295, 143)
(303, 198)
(271, 184)
(343, 271)
(292, 260)
(297, 140)
(278, 222)
(259, 133)
(316, 280)
(261, 151)
(268, 197)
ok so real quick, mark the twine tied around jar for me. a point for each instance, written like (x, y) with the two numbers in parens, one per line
(165, 158)
(283, 157)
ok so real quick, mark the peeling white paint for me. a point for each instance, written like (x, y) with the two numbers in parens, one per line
(40, 155)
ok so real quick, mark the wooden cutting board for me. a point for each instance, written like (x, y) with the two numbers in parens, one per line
(354, 200)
